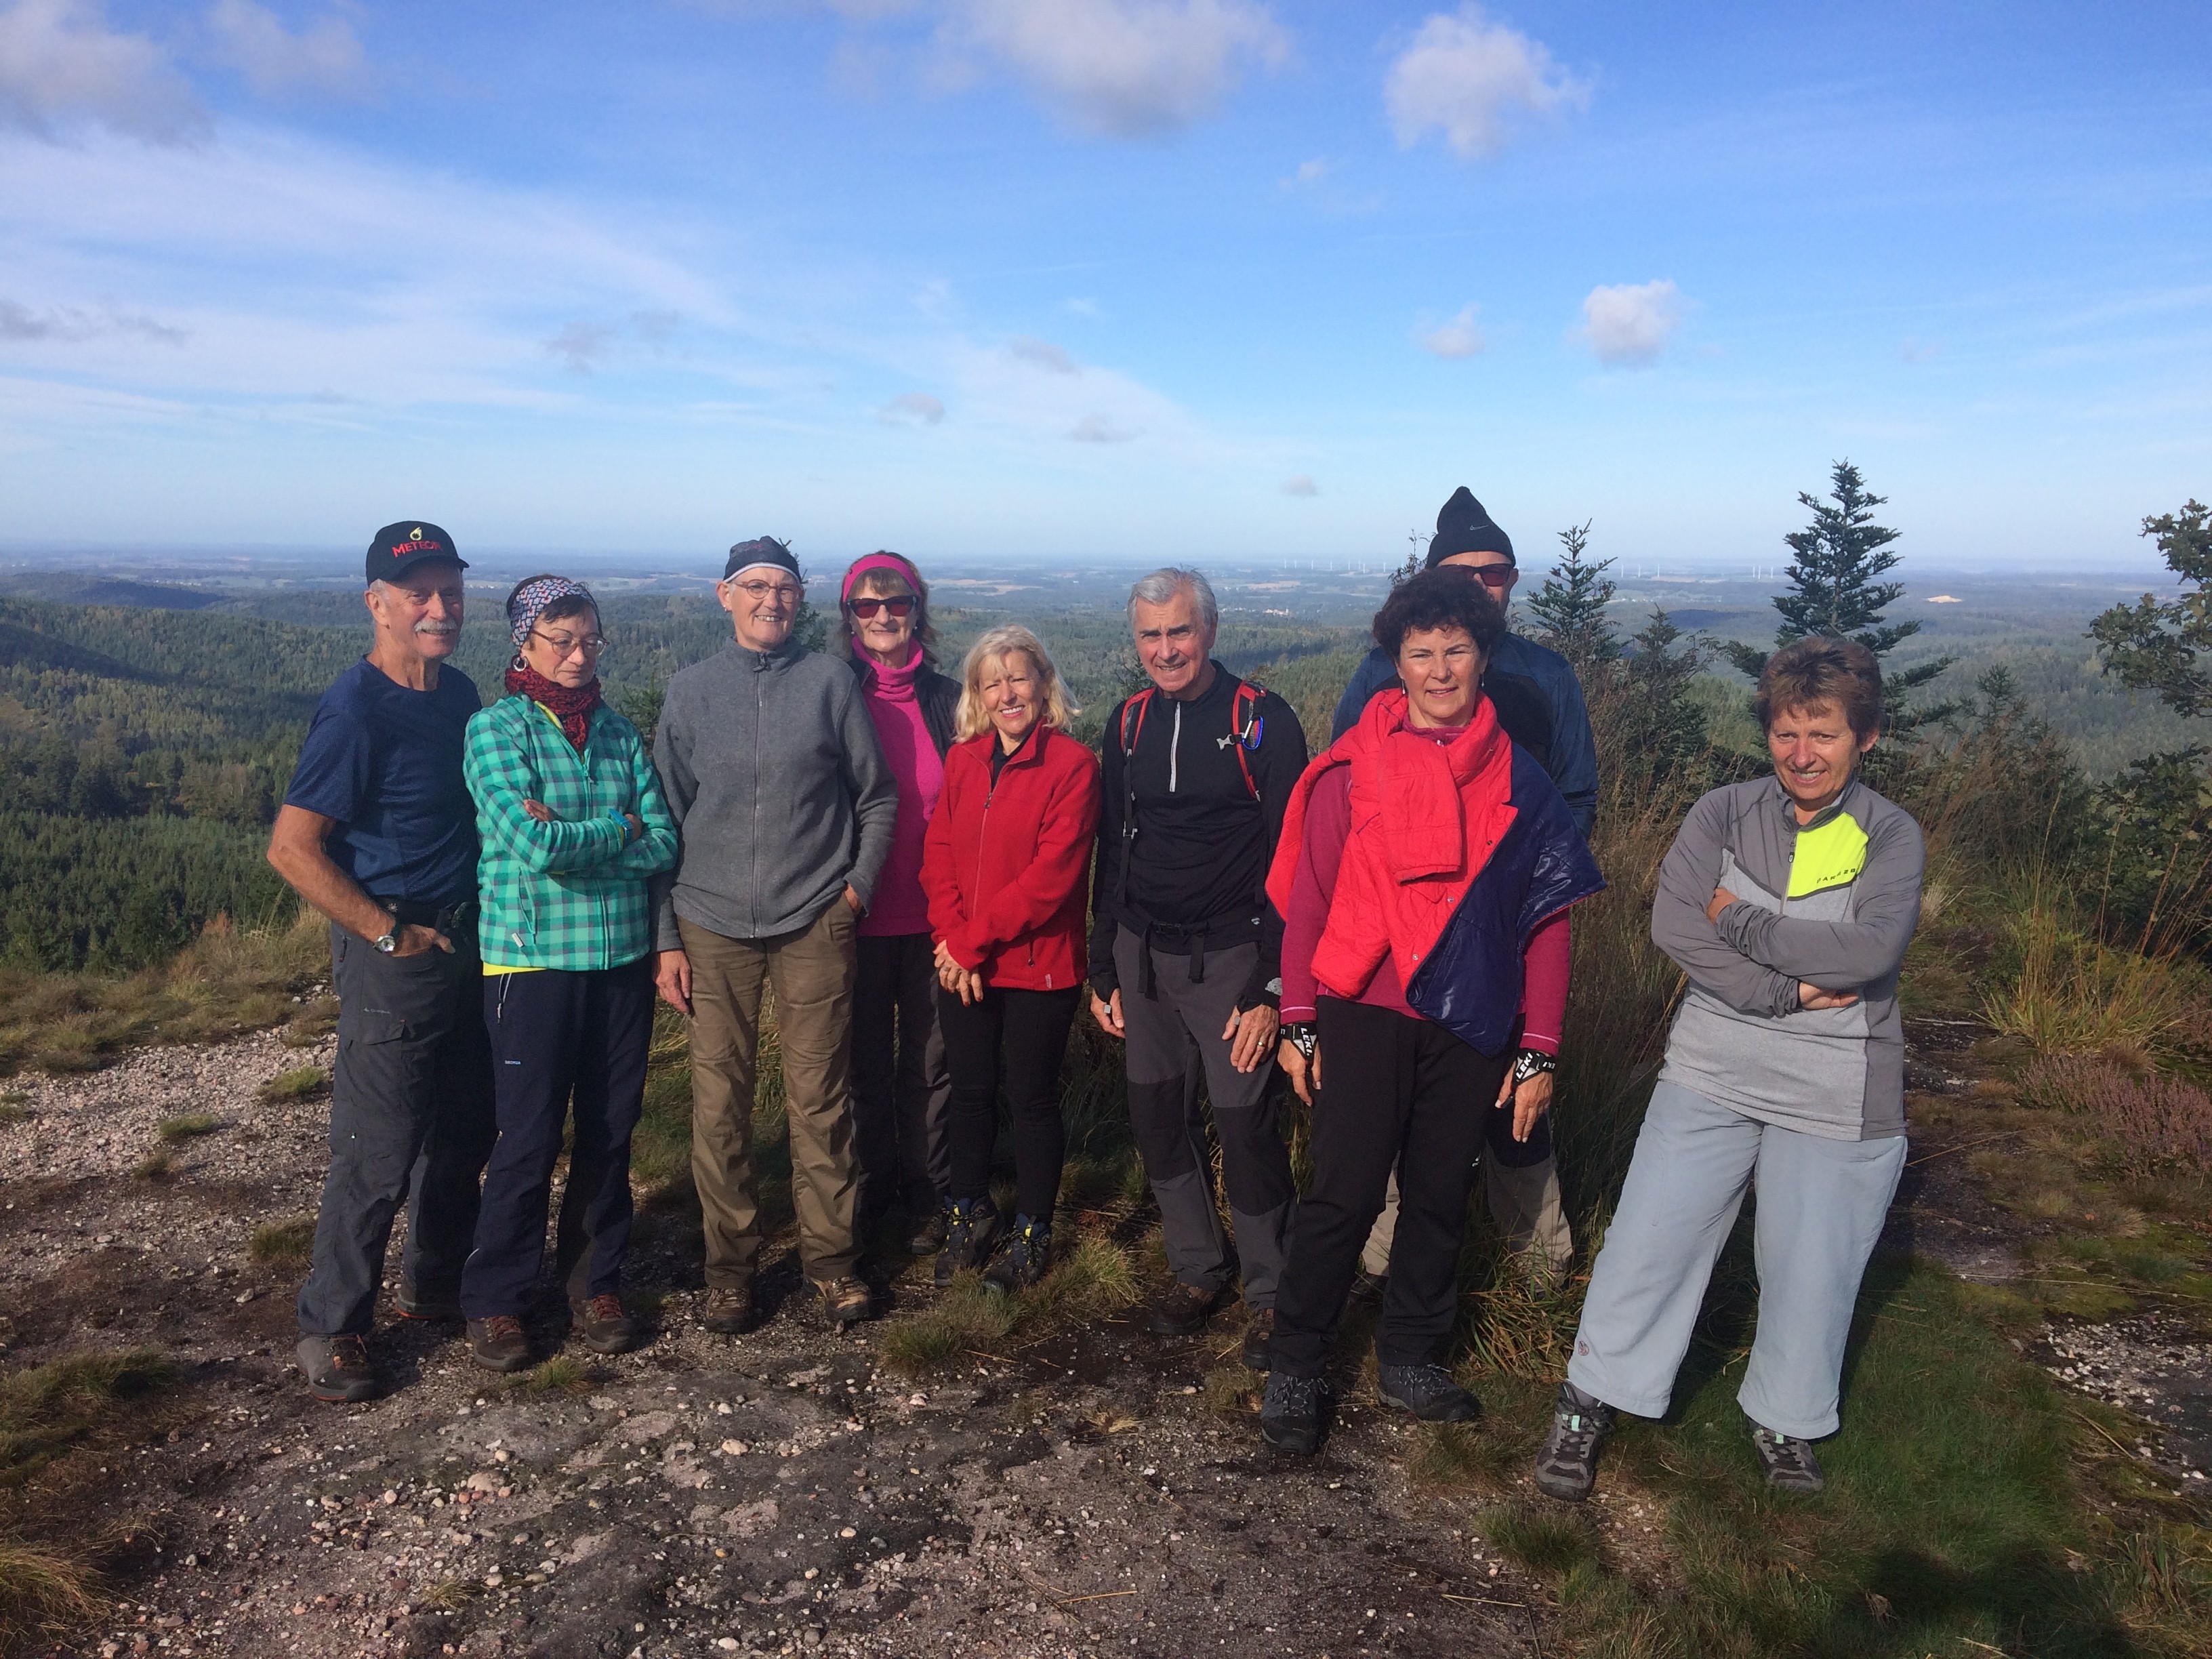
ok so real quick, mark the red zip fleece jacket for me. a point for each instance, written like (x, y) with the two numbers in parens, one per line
(1003, 862)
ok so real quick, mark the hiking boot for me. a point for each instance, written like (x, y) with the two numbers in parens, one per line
(1789, 1463)
(730, 1309)
(497, 1344)
(1023, 1262)
(1259, 1339)
(413, 1302)
(971, 1233)
(338, 1369)
(846, 1301)
(1183, 1310)
(1566, 1466)
(927, 1236)
(1428, 1392)
(603, 1327)
(1294, 1412)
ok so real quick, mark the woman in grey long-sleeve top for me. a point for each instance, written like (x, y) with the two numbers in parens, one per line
(775, 778)
(1788, 902)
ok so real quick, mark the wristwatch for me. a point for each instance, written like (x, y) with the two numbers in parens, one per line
(1303, 1036)
(1532, 1062)
(390, 942)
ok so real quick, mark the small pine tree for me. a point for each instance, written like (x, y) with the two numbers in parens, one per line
(1666, 728)
(1835, 593)
(1570, 607)
(2167, 647)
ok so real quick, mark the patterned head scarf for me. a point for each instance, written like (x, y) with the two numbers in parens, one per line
(529, 600)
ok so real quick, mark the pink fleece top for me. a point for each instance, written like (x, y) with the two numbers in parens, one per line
(899, 905)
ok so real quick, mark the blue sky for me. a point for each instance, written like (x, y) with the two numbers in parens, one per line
(1085, 278)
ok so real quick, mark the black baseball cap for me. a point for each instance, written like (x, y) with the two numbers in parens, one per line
(399, 548)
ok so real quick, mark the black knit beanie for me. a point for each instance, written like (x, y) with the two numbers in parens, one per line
(1462, 526)
(762, 549)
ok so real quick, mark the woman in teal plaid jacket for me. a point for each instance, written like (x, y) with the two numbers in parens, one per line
(570, 814)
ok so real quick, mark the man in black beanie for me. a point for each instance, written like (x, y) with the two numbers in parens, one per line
(1540, 704)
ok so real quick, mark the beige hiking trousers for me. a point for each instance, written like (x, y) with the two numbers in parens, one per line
(811, 970)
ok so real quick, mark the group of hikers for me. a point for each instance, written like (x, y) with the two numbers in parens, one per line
(937, 880)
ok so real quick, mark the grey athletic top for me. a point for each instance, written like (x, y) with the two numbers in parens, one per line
(1833, 904)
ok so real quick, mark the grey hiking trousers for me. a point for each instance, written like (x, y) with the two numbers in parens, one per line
(1821, 1204)
(1175, 1043)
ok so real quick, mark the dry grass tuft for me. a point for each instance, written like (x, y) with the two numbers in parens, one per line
(157, 1165)
(2073, 993)
(301, 1083)
(41, 1592)
(228, 981)
(562, 1374)
(289, 1242)
(187, 1125)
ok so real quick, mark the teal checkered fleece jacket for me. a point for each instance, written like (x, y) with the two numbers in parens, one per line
(570, 894)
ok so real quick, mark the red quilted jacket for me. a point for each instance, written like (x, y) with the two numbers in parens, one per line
(1003, 864)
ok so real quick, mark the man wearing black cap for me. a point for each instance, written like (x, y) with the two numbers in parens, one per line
(775, 777)
(1540, 703)
(378, 832)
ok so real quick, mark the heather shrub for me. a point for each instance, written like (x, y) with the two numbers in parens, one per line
(2155, 1123)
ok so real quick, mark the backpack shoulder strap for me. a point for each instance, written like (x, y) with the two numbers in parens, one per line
(1244, 729)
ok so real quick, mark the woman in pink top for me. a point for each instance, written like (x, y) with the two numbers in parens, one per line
(900, 1086)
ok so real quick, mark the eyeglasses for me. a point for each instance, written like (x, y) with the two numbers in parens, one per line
(1493, 576)
(758, 591)
(592, 645)
(899, 605)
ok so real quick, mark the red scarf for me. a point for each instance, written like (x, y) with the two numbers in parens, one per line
(571, 705)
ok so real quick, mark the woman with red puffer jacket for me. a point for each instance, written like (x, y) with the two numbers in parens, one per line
(1005, 865)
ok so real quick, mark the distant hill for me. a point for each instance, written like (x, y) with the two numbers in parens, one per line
(67, 587)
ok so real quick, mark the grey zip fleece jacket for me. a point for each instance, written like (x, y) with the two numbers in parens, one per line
(779, 787)
(1740, 1038)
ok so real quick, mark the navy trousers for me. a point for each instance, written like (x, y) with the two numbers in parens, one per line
(558, 1036)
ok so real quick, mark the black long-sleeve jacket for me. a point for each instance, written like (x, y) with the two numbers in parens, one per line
(1204, 835)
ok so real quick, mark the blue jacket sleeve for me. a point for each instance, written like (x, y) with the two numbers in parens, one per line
(655, 851)
(1574, 748)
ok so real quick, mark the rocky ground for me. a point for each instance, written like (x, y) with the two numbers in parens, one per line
(779, 1493)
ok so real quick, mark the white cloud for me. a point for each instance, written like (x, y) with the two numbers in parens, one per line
(1632, 323)
(1468, 78)
(62, 67)
(1460, 338)
(253, 40)
(1300, 484)
(1123, 68)
(913, 409)
(1102, 429)
(1044, 354)
(1310, 174)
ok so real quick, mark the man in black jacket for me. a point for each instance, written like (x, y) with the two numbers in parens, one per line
(1185, 952)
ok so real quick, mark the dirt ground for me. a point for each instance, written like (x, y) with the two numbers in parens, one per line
(777, 1493)
(770, 1494)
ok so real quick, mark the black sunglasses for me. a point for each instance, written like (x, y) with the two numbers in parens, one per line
(865, 608)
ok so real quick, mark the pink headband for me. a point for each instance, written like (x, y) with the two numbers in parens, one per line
(890, 561)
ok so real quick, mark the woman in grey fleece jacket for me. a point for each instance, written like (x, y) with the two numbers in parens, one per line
(1788, 902)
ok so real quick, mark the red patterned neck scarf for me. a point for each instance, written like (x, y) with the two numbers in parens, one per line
(571, 705)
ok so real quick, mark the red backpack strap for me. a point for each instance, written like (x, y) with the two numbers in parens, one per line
(1135, 706)
(1240, 716)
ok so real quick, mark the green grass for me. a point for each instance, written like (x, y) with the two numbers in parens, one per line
(562, 1374)
(289, 1242)
(1094, 1276)
(301, 1083)
(1962, 1515)
(187, 1126)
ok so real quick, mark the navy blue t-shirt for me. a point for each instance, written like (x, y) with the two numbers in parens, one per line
(386, 762)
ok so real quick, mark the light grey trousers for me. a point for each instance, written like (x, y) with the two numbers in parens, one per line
(1821, 1204)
